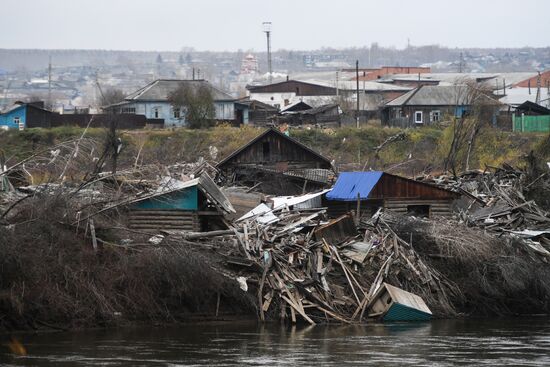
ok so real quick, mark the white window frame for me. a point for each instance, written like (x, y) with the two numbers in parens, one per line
(421, 117)
(17, 121)
(128, 110)
(176, 113)
(434, 114)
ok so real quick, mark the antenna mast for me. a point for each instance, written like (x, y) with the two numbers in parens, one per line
(50, 83)
(267, 31)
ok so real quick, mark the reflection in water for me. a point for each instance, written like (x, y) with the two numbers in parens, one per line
(439, 343)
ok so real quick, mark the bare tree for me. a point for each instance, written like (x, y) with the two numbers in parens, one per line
(476, 109)
(111, 96)
(197, 104)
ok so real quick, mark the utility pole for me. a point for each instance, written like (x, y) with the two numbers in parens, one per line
(537, 98)
(50, 83)
(357, 91)
(461, 64)
(267, 31)
(337, 84)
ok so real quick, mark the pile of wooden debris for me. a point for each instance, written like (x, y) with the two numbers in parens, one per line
(302, 267)
(500, 199)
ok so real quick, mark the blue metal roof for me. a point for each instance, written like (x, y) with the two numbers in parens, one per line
(349, 184)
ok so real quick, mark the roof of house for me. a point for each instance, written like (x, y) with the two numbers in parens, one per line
(273, 131)
(529, 106)
(159, 90)
(19, 105)
(518, 95)
(287, 86)
(296, 107)
(255, 104)
(350, 185)
(365, 86)
(320, 109)
(436, 95)
(511, 78)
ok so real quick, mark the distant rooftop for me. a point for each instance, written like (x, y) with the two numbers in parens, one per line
(159, 90)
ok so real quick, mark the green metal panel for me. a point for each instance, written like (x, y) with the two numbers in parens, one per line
(531, 123)
(399, 312)
(185, 199)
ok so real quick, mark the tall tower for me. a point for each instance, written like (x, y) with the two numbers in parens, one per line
(49, 106)
(267, 31)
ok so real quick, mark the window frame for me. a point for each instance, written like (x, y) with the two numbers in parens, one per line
(434, 114)
(421, 117)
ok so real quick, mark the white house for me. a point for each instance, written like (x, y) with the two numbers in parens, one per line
(152, 101)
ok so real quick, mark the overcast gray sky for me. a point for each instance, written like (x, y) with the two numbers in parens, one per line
(169, 25)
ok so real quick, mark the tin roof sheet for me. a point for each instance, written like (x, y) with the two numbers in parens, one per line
(351, 184)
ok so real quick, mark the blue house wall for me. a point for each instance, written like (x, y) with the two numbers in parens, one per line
(9, 118)
(184, 199)
(165, 110)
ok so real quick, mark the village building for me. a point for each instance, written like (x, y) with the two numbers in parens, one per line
(428, 105)
(249, 111)
(326, 115)
(26, 115)
(317, 93)
(152, 102)
(376, 189)
(276, 164)
(34, 115)
(531, 117)
(194, 205)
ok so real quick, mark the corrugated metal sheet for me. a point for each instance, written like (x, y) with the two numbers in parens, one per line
(350, 184)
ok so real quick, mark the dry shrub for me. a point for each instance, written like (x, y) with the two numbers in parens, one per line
(51, 276)
(496, 275)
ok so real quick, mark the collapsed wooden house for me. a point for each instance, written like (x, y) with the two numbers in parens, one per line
(276, 164)
(371, 190)
(390, 303)
(195, 205)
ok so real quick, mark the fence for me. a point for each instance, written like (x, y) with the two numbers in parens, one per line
(531, 123)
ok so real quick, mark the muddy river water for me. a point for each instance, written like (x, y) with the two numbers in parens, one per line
(516, 342)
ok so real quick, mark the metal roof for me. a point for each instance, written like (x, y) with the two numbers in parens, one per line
(351, 184)
(437, 95)
(273, 131)
(161, 88)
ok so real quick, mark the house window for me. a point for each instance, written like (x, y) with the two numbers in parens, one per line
(128, 110)
(436, 115)
(156, 113)
(177, 113)
(265, 149)
(418, 117)
(17, 121)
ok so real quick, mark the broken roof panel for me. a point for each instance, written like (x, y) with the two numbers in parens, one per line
(205, 184)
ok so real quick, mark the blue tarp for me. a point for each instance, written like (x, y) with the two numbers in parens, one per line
(349, 184)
